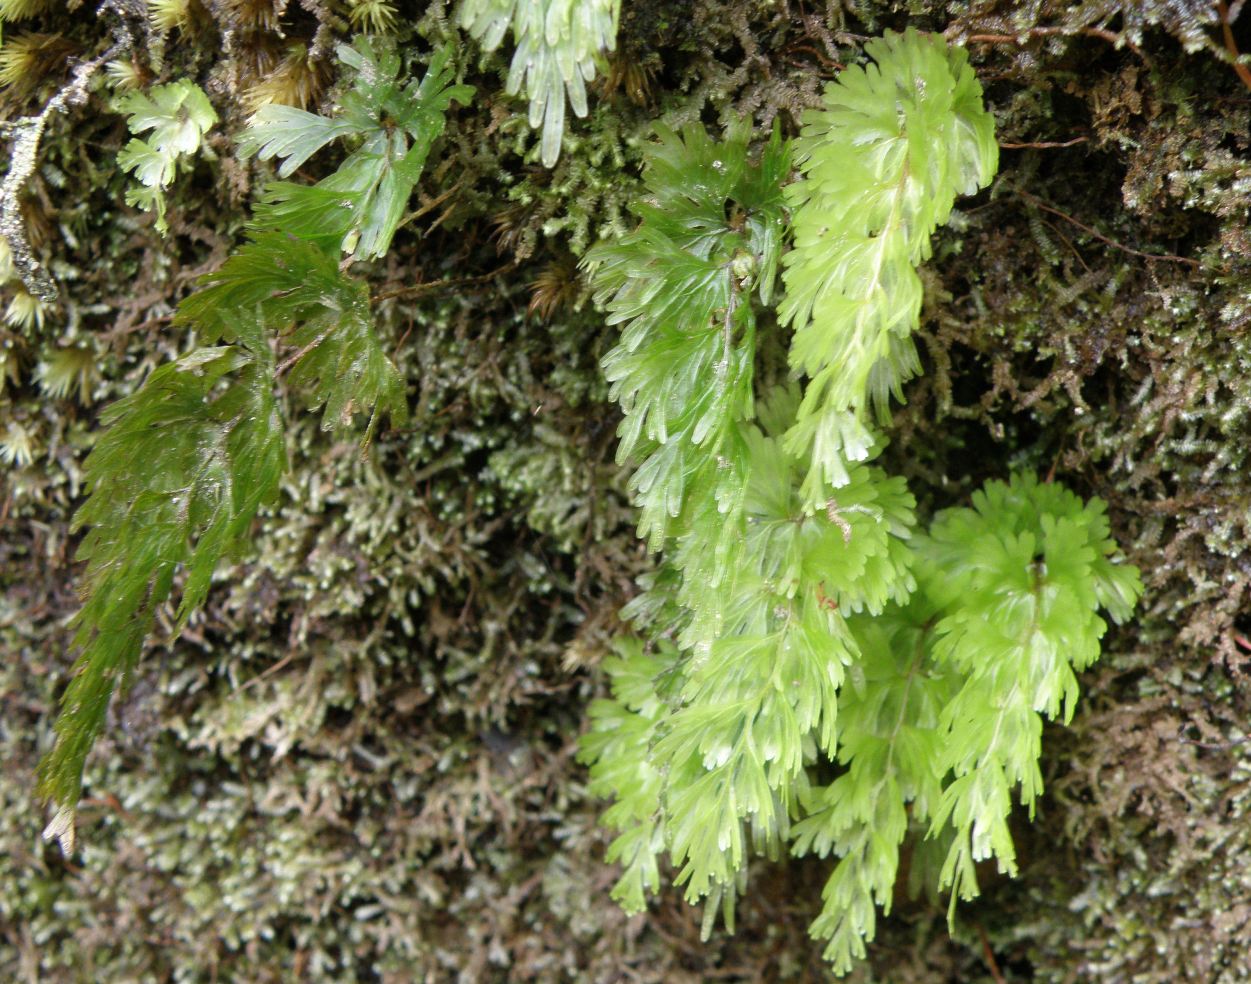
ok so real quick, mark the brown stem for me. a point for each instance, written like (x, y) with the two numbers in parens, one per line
(1243, 71)
(1042, 144)
(1039, 203)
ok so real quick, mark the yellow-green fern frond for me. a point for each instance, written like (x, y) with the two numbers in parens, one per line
(883, 161)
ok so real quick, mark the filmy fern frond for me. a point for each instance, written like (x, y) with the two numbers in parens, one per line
(882, 163)
(175, 481)
(889, 748)
(682, 285)
(178, 115)
(394, 123)
(558, 45)
(944, 724)
(769, 648)
(1020, 577)
(304, 298)
(618, 749)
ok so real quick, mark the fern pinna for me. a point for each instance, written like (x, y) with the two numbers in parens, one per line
(798, 614)
(184, 463)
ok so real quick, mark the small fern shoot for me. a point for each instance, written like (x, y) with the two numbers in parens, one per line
(178, 114)
(394, 123)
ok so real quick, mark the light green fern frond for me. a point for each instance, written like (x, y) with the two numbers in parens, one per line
(882, 162)
(890, 749)
(1020, 578)
(618, 750)
(559, 43)
(796, 617)
(178, 114)
(769, 648)
(682, 286)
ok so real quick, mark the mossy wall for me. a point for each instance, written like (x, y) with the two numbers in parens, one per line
(357, 764)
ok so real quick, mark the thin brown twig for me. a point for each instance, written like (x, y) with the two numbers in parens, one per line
(1105, 239)
(991, 962)
(1243, 71)
(1042, 144)
(446, 282)
(268, 672)
(288, 363)
(1045, 32)
(1211, 746)
(431, 205)
(400, 344)
(141, 326)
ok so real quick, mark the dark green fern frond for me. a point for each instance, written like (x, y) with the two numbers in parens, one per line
(175, 481)
(394, 124)
(187, 460)
(305, 299)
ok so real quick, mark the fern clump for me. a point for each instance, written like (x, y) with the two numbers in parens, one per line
(559, 43)
(185, 463)
(798, 615)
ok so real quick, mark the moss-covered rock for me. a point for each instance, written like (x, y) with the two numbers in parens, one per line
(357, 762)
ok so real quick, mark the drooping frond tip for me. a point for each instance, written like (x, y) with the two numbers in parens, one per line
(559, 43)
